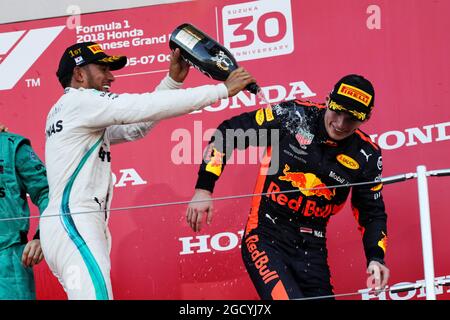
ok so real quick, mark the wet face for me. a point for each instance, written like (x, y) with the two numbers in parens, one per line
(96, 76)
(340, 125)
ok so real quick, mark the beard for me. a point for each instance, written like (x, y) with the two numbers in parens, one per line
(92, 83)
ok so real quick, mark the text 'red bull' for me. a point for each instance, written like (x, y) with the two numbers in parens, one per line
(310, 208)
(260, 260)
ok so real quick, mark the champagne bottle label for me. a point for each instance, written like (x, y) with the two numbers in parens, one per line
(223, 62)
(187, 38)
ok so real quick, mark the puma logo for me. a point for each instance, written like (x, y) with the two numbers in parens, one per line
(272, 219)
(366, 155)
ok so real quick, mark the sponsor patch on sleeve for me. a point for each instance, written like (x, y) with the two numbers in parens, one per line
(259, 117)
(269, 114)
(215, 162)
(33, 156)
(377, 187)
(383, 242)
(104, 94)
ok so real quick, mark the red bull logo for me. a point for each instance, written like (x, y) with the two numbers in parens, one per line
(307, 207)
(308, 183)
(383, 242)
(260, 260)
(377, 187)
(215, 159)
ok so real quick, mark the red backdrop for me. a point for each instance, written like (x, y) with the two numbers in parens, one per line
(297, 48)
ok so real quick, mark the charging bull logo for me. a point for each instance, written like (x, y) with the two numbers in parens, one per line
(383, 242)
(308, 183)
(215, 161)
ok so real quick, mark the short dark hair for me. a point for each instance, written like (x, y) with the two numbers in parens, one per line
(66, 80)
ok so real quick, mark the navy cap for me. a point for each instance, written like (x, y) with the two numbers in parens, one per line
(83, 53)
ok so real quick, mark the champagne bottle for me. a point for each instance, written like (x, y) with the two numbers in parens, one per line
(205, 54)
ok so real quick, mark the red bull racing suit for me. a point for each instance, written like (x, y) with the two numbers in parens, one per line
(284, 245)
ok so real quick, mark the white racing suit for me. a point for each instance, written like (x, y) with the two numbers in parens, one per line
(80, 128)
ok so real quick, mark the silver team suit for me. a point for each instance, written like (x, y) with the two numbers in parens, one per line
(80, 128)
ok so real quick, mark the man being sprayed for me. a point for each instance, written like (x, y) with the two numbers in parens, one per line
(319, 145)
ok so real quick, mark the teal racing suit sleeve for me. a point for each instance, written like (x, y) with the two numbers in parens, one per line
(32, 176)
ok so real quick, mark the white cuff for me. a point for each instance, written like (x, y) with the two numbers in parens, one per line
(222, 90)
(170, 83)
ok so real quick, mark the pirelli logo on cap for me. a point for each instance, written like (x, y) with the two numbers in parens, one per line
(95, 48)
(355, 94)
